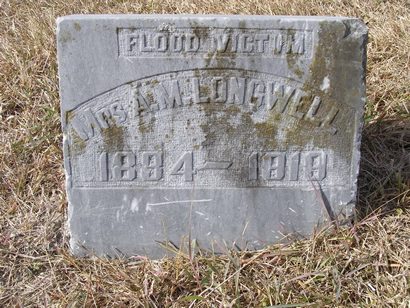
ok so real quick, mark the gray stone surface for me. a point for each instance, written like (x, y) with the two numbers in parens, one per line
(223, 130)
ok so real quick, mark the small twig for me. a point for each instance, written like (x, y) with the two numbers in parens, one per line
(326, 206)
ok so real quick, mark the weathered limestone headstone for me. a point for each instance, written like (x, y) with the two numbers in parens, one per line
(226, 130)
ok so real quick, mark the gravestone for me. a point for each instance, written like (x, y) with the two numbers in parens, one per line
(207, 131)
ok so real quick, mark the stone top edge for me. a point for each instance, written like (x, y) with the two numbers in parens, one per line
(80, 17)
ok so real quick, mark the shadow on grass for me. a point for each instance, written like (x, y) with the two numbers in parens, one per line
(384, 179)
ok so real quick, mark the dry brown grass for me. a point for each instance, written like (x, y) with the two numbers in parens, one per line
(366, 265)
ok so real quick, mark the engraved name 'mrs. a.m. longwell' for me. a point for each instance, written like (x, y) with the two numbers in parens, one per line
(228, 93)
(224, 129)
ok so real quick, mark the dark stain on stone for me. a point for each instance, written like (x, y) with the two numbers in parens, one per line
(113, 138)
(291, 58)
(220, 59)
(77, 26)
(65, 37)
(146, 123)
(217, 125)
(267, 131)
(150, 97)
(77, 145)
(154, 82)
(332, 54)
(69, 116)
